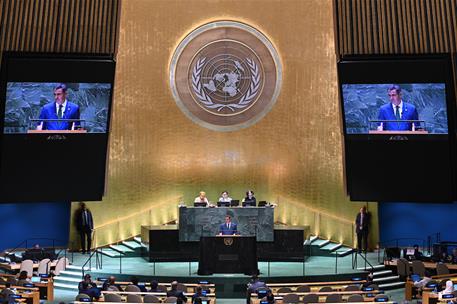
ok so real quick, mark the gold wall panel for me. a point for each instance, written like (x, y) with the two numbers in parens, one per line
(293, 156)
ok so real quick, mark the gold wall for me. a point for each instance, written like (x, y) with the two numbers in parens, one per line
(293, 156)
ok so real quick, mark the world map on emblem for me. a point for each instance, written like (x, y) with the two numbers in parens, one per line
(225, 76)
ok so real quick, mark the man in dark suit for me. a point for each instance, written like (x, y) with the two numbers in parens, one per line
(61, 108)
(228, 228)
(174, 292)
(362, 224)
(85, 226)
(397, 110)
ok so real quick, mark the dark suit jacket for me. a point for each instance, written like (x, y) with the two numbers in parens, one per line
(228, 231)
(178, 294)
(49, 112)
(365, 224)
(80, 220)
(386, 112)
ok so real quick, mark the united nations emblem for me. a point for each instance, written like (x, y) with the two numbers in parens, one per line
(228, 241)
(225, 75)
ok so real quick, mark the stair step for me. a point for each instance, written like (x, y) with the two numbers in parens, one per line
(131, 244)
(380, 266)
(71, 273)
(121, 248)
(67, 280)
(109, 252)
(335, 247)
(137, 239)
(382, 273)
(345, 252)
(386, 279)
(318, 242)
(65, 286)
(313, 238)
(76, 268)
(392, 285)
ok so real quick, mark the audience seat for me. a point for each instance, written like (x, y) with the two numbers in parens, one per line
(27, 265)
(355, 298)
(132, 288)
(441, 269)
(419, 268)
(326, 289)
(81, 297)
(151, 299)
(171, 300)
(134, 298)
(352, 288)
(112, 297)
(291, 298)
(284, 290)
(303, 288)
(311, 298)
(333, 298)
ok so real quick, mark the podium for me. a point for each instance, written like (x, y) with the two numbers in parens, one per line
(227, 254)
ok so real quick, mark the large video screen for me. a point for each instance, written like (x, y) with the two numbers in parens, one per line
(373, 108)
(398, 115)
(39, 106)
(54, 133)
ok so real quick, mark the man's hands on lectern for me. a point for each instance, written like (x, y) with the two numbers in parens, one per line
(380, 128)
(40, 126)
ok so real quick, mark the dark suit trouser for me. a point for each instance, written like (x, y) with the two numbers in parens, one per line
(362, 236)
(86, 234)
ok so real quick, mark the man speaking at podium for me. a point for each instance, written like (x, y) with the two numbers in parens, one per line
(228, 228)
(399, 110)
(60, 109)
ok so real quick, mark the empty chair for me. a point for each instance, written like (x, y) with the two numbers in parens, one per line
(381, 298)
(419, 268)
(326, 289)
(407, 268)
(291, 298)
(333, 298)
(81, 297)
(171, 300)
(112, 288)
(61, 265)
(355, 298)
(374, 286)
(311, 298)
(112, 297)
(27, 265)
(441, 269)
(162, 288)
(44, 266)
(151, 299)
(132, 288)
(284, 290)
(134, 298)
(352, 288)
(303, 288)
(181, 287)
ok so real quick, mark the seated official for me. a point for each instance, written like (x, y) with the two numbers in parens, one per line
(23, 278)
(201, 198)
(225, 197)
(154, 286)
(253, 287)
(197, 295)
(422, 283)
(110, 285)
(92, 292)
(174, 292)
(228, 228)
(249, 200)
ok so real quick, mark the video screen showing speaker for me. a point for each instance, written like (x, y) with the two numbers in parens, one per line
(404, 108)
(36, 107)
(398, 116)
(56, 112)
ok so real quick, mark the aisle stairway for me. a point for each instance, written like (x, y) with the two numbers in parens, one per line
(69, 278)
(327, 248)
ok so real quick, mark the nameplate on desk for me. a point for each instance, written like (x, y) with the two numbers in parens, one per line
(228, 257)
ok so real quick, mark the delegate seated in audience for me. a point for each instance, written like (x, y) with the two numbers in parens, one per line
(253, 286)
(134, 281)
(369, 280)
(90, 286)
(110, 285)
(449, 288)
(422, 283)
(86, 289)
(417, 254)
(453, 257)
(270, 297)
(174, 292)
(5, 293)
(154, 286)
(197, 294)
(23, 278)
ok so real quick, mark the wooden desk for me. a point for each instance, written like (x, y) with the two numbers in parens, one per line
(279, 296)
(160, 295)
(45, 288)
(430, 265)
(315, 286)
(190, 286)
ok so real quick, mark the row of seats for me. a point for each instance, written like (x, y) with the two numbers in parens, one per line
(307, 288)
(418, 267)
(44, 266)
(131, 298)
(293, 298)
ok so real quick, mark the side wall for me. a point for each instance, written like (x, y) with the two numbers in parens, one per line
(35, 220)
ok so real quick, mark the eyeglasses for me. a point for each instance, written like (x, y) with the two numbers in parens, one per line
(390, 95)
